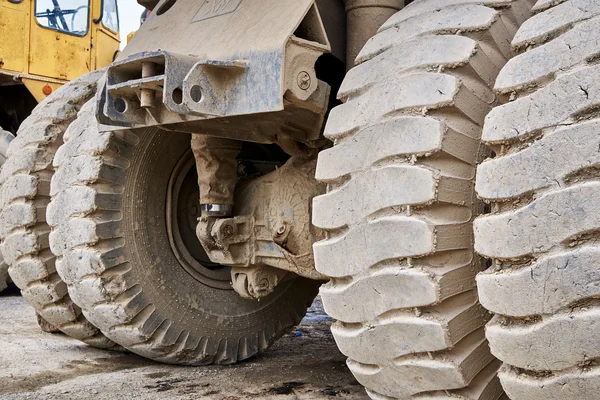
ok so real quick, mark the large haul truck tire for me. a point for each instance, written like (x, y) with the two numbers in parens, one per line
(115, 199)
(5, 139)
(401, 200)
(25, 194)
(544, 189)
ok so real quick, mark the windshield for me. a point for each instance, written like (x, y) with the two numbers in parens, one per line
(70, 16)
(110, 15)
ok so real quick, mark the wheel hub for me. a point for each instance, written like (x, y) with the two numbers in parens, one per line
(183, 211)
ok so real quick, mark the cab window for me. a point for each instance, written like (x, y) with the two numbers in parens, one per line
(110, 15)
(68, 16)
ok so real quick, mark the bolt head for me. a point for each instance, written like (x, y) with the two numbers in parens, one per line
(227, 231)
(304, 80)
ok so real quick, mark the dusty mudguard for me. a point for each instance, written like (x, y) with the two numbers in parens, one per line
(544, 191)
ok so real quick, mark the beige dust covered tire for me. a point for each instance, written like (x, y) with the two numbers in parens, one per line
(25, 194)
(401, 200)
(113, 196)
(544, 187)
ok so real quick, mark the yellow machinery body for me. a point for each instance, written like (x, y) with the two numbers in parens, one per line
(46, 43)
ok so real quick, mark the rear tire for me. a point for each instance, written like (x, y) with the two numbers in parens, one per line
(108, 211)
(544, 187)
(25, 180)
(401, 200)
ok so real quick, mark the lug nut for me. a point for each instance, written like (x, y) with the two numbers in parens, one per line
(227, 231)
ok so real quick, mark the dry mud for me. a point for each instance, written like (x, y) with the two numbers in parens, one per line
(304, 364)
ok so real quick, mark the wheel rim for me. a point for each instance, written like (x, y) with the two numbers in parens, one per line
(182, 212)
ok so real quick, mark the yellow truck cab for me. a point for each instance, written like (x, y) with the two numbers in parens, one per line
(46, 43)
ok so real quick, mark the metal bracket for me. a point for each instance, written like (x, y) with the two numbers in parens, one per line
(225, 76)
(273, 227)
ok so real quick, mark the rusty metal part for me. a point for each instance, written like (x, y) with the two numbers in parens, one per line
(363, 19)
(246, 70)
(217, 173)
(272, 223)
(257, 281)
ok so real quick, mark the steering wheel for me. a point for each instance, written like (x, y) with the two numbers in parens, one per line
(75, 12)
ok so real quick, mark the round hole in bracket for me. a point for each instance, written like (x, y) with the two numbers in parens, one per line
(196, 93)
(120, 105)
(177, 96)
(165, 6)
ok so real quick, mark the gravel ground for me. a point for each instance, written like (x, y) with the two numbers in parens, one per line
(36, 365)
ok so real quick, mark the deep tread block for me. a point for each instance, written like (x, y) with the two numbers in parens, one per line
(554, 218)
(425, 6)
(485, 386)
(439, 328)
(387, 239)
(546, 61)
(403, 378)
(554, 21)
(402, 136)
(568, 278)
(418, 91)
(457, 18)
(579, 384)
(547, 162)
(406, 56)
(557, 103)
(367, 194)
(362, 299)
(555, 343)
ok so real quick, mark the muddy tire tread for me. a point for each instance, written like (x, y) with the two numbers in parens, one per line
(406, 309)
(542, 233)
(85, 215)
(25, 180)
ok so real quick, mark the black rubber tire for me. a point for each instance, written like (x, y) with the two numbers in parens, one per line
(401, 200)
(544, 187)
(109, 229)
(25, 180)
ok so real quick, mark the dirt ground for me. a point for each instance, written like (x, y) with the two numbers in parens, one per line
(35, 365)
